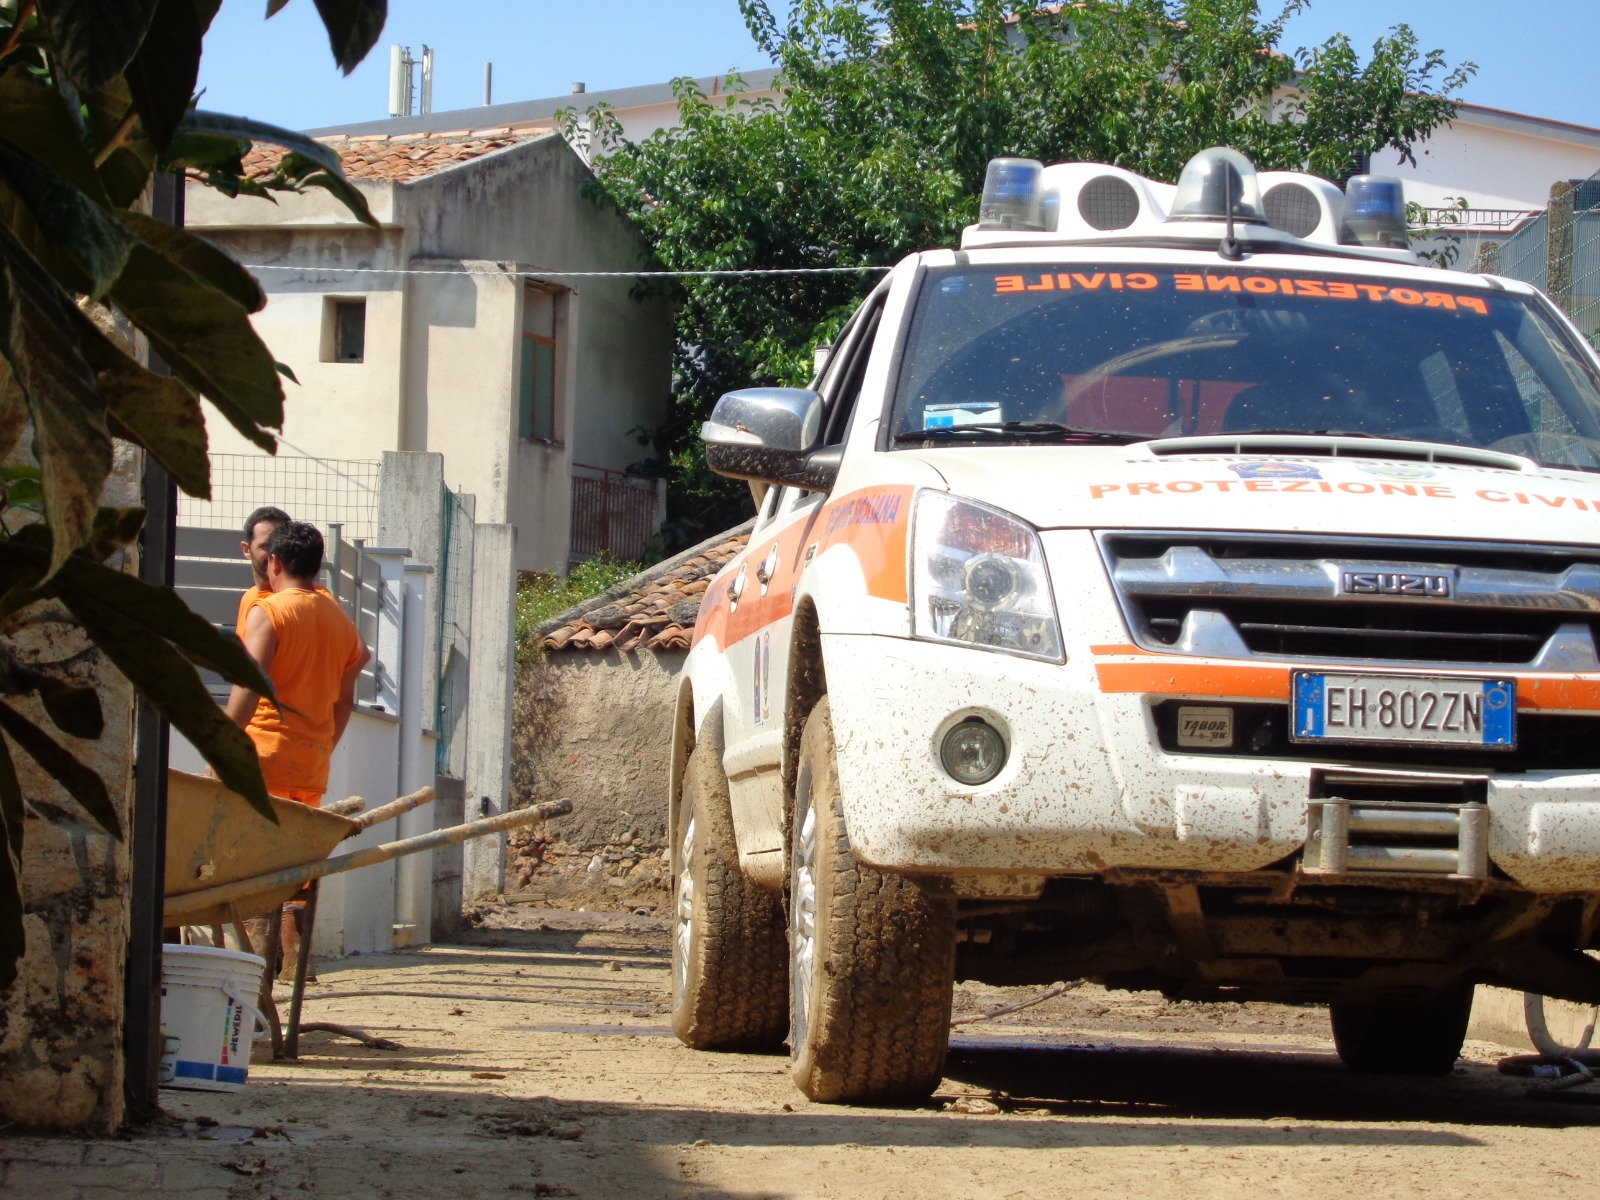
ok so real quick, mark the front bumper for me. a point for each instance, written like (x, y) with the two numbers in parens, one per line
(1088, 788)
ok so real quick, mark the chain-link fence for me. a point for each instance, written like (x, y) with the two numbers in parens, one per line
(1559, 253)
(323, 491)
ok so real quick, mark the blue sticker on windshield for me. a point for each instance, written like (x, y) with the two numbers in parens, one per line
(1275, 470)
(944, 416)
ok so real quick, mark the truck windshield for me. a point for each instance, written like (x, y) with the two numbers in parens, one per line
(1123, 354)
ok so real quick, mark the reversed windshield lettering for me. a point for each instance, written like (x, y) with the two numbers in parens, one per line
(1259, 285)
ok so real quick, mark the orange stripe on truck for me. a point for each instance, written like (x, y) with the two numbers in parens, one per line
(1163, 676)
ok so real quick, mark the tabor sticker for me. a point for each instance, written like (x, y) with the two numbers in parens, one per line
(1205, 727)
(1275, 470)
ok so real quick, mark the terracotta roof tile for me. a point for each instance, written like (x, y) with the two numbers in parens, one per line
(657, 612)
(400, 157)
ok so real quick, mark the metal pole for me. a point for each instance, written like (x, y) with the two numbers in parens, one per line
(148, 834)
(488, 84)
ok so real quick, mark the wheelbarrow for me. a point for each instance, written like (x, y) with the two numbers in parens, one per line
(226, 862)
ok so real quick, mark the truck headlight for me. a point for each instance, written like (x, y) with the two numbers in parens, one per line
(978, 579)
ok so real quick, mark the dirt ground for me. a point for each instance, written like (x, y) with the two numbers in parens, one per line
(537, 1061)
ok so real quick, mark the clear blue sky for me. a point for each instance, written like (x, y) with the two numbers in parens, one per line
(281, 71)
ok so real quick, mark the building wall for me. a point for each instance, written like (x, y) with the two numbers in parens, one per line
(528, 203)
(337, 409)
(442, 357)
(596, 729)
(1491, 167)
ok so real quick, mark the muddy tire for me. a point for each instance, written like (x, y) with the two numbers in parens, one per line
(871, 955)
(729, 955)
(1423, 1039)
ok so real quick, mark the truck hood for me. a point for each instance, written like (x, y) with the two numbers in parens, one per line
(1133, 487)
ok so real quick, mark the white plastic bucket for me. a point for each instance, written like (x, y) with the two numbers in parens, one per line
(208, 1003)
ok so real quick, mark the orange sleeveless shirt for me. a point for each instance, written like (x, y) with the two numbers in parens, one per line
(317, 644)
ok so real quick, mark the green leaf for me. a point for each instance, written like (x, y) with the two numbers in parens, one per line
(198, 257)
(221, 125)
(39, 123)
(79, 237)
(354, 27)
(162, 414)
(92, 40)
(169, 681)
(206, 338)
(126, 171)
(287, 372)
(82, 784)
(274, 7)
(163, 73)
(13, 940)
(40, 333)
(342, 189)
(90, 588)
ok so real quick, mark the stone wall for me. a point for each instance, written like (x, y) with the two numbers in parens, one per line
(61, 1023)
(594, 728)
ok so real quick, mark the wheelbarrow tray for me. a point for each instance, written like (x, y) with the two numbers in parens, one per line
(215, 837)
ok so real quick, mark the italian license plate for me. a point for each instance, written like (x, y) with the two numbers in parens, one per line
(1415, 709)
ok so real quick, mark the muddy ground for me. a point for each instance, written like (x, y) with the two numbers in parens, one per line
(537, 1060)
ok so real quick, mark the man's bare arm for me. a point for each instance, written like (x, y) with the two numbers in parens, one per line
(261, 640)
(346, 703)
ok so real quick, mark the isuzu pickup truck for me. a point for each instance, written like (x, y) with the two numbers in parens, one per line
(1178, 587)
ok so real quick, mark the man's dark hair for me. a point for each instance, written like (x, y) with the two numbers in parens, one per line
(266, 513)
(298, 546)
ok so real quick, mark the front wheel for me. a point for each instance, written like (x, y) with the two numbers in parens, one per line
(728, 954)
(1413, 1039)
(871, 954)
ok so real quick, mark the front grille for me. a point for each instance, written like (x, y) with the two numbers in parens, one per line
(1461, 604)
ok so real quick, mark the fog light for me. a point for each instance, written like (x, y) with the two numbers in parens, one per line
(973, 752)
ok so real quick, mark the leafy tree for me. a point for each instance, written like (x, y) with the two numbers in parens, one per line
(890, 112)
(95, 99)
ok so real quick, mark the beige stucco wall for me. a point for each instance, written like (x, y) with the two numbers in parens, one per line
(1491, 167)
(596, 729)
(443, 349)
(61, 1034)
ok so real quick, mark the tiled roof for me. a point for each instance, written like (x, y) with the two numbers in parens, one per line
(657, 610)
(402, 157)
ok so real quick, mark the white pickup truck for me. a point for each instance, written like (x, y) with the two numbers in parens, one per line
(1179, 587)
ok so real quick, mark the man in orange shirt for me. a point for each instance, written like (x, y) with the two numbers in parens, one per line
(258, 527)
(312, 653)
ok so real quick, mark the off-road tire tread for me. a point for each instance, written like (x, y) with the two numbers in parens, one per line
(1392, 1040)
(737, 992)
(880, 1025)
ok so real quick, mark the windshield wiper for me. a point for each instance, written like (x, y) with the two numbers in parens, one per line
(1003, 430)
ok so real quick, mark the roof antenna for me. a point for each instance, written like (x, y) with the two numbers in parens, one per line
(1230, 248)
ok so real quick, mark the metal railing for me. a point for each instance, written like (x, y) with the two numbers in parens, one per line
(612, 513)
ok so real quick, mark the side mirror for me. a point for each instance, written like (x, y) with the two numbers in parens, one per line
(769, 435)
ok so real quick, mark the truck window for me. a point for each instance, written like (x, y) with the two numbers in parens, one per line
(1174, 353)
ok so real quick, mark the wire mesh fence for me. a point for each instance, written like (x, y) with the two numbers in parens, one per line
(1559, 253)
(323, 491)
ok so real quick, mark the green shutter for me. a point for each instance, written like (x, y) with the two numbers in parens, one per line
(544, 391)
(526, 388)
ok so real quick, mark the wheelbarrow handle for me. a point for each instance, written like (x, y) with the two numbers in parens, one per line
(394, 808)
(240, 888)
